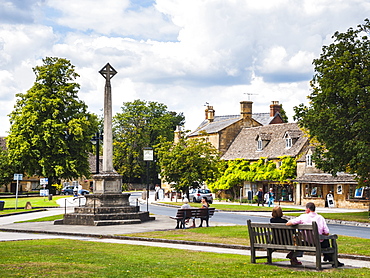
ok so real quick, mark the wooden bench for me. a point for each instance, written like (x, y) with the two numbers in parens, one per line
(273, 236)
(204, 214)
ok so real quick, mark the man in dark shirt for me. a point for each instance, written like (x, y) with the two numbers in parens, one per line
(260, 197)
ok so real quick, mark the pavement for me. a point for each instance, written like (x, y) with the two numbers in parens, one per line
(120, 234)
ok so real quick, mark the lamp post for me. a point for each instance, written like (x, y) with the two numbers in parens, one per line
(148, 156)
(96, 141)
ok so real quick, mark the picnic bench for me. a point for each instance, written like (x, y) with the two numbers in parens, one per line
(204, 214)
(303, 237)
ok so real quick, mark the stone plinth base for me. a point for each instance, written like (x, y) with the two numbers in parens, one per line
(106, 209)
(107, 183)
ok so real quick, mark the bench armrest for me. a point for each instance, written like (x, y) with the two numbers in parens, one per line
(328, 237)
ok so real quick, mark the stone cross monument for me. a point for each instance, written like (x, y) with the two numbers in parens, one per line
(108, 181)
(108, 205)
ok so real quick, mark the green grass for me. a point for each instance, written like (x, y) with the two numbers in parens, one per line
(42, 219)
(233, 207)
(35, 202)
(72, 258)
(239, 235)
(362, 216)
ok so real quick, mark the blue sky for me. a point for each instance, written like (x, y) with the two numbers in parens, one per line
(180, 53)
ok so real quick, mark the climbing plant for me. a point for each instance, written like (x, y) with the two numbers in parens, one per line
(234, 172)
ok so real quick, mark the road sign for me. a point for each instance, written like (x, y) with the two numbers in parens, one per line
(44, 181)
(18, 177)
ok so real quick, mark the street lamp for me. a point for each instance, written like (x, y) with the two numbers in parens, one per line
(148, 156)
(96, 141)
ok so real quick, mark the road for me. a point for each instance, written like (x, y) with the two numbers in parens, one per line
(242, 217)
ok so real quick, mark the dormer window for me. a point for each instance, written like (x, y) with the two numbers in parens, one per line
(309, 160)
(259, 144)
(262, 140)
(288, 143)
(291, 136)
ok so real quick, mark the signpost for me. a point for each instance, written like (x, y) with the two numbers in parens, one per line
(17, 177)
(148, 156)
(44, 192)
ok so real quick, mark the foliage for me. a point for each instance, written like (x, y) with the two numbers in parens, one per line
(239, 170)
(283, 114)
(338, 114)
(188, 163)
(7, 169)
(139, 125)
(50, 128)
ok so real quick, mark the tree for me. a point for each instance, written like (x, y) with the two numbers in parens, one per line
(7, 170)
(139, 125)
(50, 128)
(337, 118)
(188, 163)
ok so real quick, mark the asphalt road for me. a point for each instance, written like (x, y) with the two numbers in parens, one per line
(242, 217)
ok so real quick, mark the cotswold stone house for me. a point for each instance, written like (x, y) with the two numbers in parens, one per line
(270, 142)
(222, 130)
(313, 185)
(251, 136)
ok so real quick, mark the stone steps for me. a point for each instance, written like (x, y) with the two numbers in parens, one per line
(116, 222)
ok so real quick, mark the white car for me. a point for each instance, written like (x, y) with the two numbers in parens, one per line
(196, 195)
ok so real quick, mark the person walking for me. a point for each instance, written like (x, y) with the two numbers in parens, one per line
(260, 197)
(271, 197)
(307, 218)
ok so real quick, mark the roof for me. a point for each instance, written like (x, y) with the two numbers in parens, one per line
(221, 122)
(2, 143)
(245, 144)
(325, 178)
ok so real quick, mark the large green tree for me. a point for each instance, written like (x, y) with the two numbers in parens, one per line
(337, 117)
(140, 124)
(50, 127)
(7, 169)
(188, 163)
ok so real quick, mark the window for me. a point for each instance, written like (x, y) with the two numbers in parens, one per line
(309, 160)
(259, 145)
(288, 143)
(313, 190)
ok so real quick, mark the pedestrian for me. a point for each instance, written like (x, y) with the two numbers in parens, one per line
(307, 218)
(277, 217)
(205, 202)
(187, 206)
(260, 197)
(271, 197)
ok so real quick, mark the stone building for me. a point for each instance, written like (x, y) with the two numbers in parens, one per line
(270, 142)
(313, 185)
(222, 130)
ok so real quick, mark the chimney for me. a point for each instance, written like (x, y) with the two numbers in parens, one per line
(246, 112)
(274, 108)
(177, 136)
(210, 113)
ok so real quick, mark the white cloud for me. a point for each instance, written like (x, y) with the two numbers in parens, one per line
(180, 53)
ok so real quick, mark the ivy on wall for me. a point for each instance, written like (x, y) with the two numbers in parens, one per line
(234, 172)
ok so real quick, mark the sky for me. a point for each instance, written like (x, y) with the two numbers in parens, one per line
(183, 54)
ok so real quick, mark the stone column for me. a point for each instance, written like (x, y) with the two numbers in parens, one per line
(108, 181)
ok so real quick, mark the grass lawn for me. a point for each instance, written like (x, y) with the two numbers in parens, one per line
(239, 235)
(348, 216)
(72, 258)
(233, 207)
(35, 201)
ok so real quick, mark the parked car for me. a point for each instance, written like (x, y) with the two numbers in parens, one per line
(196, 195)
(68, 190)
